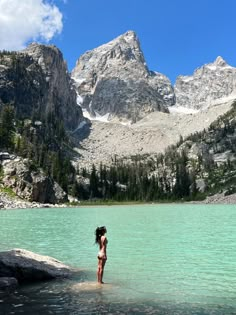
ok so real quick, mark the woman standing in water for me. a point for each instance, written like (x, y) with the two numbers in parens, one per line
(101, 240)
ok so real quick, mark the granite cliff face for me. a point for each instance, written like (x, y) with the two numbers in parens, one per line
(36, 81)
(211, 84)
(114, 79)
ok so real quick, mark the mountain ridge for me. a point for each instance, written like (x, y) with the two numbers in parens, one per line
(112, 80)
(208, 85)
(103, 73)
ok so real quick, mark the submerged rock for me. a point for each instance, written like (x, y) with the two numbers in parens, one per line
(27, 266)
(8, 283)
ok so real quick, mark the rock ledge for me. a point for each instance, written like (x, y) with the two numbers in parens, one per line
(26, 266)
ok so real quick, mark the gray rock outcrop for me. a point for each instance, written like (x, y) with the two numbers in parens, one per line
(211, 84)
(26, 266)
(36, 82)
(114, 79)
(31, 184)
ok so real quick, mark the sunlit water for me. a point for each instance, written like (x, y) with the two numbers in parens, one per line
(162, 259)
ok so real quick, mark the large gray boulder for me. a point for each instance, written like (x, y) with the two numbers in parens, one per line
(27, 266)
(114, 79)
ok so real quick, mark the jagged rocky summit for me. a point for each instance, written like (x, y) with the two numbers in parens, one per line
(36, 82)
(209, 85)
(114, 79)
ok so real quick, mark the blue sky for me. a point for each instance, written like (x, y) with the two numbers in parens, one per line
(176, 36)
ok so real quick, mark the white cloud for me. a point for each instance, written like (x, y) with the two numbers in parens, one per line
(25, 20)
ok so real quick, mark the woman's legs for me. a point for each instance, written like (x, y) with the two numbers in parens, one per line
(101, 265)
(99, 271)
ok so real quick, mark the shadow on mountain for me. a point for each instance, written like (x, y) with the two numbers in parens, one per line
(78, 136)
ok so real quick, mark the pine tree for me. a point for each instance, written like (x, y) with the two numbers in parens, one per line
(7, 127)
(93, 187)
(182, 184)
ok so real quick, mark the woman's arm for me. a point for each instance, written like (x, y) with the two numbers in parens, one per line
(104, 244)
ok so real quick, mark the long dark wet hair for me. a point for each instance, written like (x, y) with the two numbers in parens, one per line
(99, 232)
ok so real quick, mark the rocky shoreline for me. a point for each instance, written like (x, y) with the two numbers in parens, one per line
(8, 202)
(220, 199)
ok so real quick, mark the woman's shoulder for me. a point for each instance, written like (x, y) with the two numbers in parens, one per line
(104, 238)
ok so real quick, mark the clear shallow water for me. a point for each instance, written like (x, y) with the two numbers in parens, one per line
(162, 259)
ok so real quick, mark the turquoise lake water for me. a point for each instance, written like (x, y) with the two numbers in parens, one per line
(162, 259)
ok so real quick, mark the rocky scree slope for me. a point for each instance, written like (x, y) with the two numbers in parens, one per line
(114, 79)
(151, 135)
